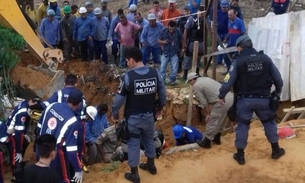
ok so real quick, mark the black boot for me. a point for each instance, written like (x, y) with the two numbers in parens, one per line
(277, 152)
(197, 71)
(133, 176)
(205, 143)
(184, 77)
(149, 166)
(217, 139)
(240, 156)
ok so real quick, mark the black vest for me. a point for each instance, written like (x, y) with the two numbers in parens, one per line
(254, 75)
(181, 23)
(196, 34)
(142, 93)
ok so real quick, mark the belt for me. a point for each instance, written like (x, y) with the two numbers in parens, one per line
(253, 96)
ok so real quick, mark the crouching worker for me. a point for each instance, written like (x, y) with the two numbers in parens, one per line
(186, 134)
(46, 146)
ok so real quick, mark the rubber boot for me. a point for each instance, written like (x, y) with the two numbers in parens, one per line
(217, 139)
(133, 176)
(205, 143)
(277, 152)
(240, 156)
(184, 77)
(149, 166)
(197, 71)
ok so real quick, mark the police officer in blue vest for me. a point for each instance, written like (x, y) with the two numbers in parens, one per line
(139, 87)
(3, 141)
(252, 75)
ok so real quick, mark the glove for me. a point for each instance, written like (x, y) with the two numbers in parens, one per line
(27, 138)
(10, 130)
(78, 177)
(18, 157)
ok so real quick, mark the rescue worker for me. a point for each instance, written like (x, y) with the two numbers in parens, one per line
(106, 12)
(206, 92)
(42, 10)
(31, 12)
(132, 12)
(59, 120)
(89, 8)
(65, 3)
(252, 75)
(3, 140)
(186, 134)
(139, 84)
(49, 28)
(74, 10)
(54, 6)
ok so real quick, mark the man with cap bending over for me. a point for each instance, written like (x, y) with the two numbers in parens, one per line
(206, 91)
(186, 134)
(252, 75)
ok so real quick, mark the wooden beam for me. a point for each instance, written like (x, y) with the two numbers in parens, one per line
(288, 114)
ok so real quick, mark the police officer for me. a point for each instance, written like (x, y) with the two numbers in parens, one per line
(60, 120)
(252, 75)
(139, 87)
(3, 141)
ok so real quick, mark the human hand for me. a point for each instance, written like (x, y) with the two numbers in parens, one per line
(18, 157)
(78, 177)
(222, 101)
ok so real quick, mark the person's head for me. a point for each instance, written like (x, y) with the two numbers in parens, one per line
(152, 19)
(91, 113)
(133, 56)
(50, 14)
(243, 42)
(171, 4)
(75, 99)
(74, 9)
(53, 3)
(65, 3)
(186, 9)
(191, 78)
(133, 8)
(82, 12)
(70, 80)
(234, 3)
(120, 12)
(89, 6)
(98, 13)
(45, 2)
(172, 26)
(201, 11)
(67, 11)
(232, 14)
(46, 146)
(123, 19)
(34, 103)
(138, 17)
(224, 5)
(104, 4)
(102, 109)
(156, 5)
(178, 131)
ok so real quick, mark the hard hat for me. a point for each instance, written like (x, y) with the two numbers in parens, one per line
(88, 3)
(190, 76)
(151, 16)
(224, 4)
(133, 7)
(178, 131)
(91, 111)
(51, 12)
(97, 11)
(171, 1)
(104, 1)
(286, 132)
(67, 9)
(82, 10)
(52, 1)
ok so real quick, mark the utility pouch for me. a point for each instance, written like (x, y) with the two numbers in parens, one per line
(274, 101)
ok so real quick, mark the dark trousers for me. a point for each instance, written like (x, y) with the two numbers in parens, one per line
(100, 48)
(87, 49)
(115, 48)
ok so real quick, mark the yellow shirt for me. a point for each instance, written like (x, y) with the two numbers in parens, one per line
(31, 14)
(76, 14)
(41, 12)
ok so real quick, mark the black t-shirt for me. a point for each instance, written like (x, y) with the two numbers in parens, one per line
(37, 174)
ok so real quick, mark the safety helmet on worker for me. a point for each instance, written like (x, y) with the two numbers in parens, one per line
(178, 131)
(53, 1)
(91, 111)
(133, 7)
(50, 12)
(88, 3)
(67, 9)
(97, 11)
(82, 10)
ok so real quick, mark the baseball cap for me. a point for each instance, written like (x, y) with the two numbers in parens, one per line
(75, 96)
(133, 7)
(224, 3)
(186, 7)
(190, 76)
(50, 13)
(151, 16)
(82, 10)
(67, 9)
(242, 39)
(171, 1)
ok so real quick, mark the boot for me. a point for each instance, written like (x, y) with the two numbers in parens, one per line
(149, 166)
(277, 152)
(240, 156)
(205, 143)
(184, 77)
(217, 139)
(197, 71)
(133, 176)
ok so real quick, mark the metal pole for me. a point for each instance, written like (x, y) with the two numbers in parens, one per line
(214, 35)
(205, 36)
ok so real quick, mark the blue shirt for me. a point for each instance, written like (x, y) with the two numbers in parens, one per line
(222, 22)
(96, 127)
(83, 28)
(114, 22)
(142, 24)
(57, 12)
(174, 41)
(130, 16)
(236, 29)
(50, 30)
(102, 27)
(191, 136)
(91, 15)
(193, 8)
(150, 35)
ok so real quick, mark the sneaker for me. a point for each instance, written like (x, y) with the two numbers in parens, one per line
(278, 154)
(240, 159)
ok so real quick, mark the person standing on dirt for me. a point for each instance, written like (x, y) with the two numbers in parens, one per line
(132, 13)
(206, 91)
(186, 134)
(59, 119)
(42, 11)
(141, 83)
(54, 6)
(126, 32)
(100, 37)
(66, 29)
(170, 13)
(65, 3)
(106, 12)
(142, 22)
(89, 8)
(222, 24)
(235, 5)
(252, 75)
(83, 33)
(49, 28)
(74, 10)
(156, 10)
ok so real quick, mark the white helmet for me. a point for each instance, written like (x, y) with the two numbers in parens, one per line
(97, 11)
(133, 7)
(82, 10)
(91, 111)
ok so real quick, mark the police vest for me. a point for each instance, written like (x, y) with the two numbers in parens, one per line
(253, 74)
(142, 92)
(181, 23)
(196, 34)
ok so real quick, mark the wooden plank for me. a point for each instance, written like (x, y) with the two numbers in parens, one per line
(181, 148)
(287, 115)
(295, 110)
(301, 115)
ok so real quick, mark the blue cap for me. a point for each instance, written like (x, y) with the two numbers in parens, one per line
(75, 96)
(242, 39)
(178, 131)
(224, 4)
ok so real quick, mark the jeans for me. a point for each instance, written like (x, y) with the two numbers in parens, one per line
(245, 108)
(173, 60)
(115, 48)
(155, 53)
(122, 62)
(87, 49)
(100, 48)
